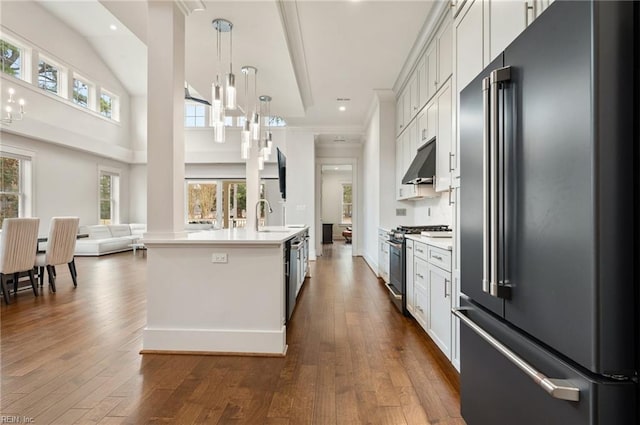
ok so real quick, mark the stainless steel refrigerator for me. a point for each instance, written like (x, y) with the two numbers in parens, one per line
(549, 221)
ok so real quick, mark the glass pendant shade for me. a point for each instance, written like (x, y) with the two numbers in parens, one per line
(255, 127)
(260, 163)
(216, 104)
(269, 143)
(218, 132)
(230, 92)
(244, 150)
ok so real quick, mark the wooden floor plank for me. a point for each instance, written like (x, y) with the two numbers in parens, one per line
(72, 358)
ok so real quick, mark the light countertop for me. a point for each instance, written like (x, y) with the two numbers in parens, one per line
(444, 243)
(268, 235)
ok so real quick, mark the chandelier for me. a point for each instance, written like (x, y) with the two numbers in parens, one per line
(223, 96)
(10, 115)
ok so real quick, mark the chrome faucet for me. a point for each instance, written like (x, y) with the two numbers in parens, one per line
(258, 212)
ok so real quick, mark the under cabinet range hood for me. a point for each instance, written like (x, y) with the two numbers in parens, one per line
(423, 168)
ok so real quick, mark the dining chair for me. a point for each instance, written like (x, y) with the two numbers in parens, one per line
(61, 245)
(18, 245)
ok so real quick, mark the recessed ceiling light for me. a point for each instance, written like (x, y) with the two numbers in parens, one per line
(112, 27)
(342, 108)
(335, 168)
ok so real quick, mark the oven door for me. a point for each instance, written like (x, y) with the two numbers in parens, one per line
(396, 263)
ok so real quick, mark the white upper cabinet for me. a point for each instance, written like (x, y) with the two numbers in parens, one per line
(414, 100)
(422, 81)
(443, 138)
(431, 82)
(469, 45)
(399, 115)
(508, 19)
(445, 53)
(406, 106)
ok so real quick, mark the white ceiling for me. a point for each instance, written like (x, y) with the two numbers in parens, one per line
(308, 53)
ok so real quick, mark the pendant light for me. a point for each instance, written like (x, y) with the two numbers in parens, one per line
(222, 97)
(267, 142)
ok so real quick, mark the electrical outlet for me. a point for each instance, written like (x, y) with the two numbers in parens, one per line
(219, 257)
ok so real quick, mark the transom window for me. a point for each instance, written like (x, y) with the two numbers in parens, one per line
(194, 115)
(48, 76)
(81, 92)
(11, 59)
(106, 104)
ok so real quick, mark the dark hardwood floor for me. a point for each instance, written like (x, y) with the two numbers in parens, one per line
(73, 358)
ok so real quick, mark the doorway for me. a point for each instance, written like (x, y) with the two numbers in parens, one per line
(337, 205)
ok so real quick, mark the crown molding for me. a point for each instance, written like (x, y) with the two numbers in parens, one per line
(189, 6)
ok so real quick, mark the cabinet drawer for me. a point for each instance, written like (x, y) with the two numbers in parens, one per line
(420, 309)
(421, 250)
(440, 257)
(421, 273)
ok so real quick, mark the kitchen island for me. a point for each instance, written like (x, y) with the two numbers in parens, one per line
(218, 292)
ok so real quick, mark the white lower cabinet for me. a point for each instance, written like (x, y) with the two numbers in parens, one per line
(439, 325)
(429, 292)
(383, 255)
(421, 309)
(410, 293)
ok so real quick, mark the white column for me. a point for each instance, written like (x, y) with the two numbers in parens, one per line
(253, 185)
(165, 120)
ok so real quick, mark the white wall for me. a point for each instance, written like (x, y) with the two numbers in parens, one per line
(332, 182)
(379, 175)
(66, 181)
(53, 118)
(300, 155)
(138, 193)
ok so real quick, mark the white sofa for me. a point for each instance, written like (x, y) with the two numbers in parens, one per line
(107, 239)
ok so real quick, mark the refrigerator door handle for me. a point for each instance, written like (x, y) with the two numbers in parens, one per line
(497, 77)
(556, 388)
(486, 224)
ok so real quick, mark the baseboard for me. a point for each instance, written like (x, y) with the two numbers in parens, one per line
(209, 341)
(373, 265)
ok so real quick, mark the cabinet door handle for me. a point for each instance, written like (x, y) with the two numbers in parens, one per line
(445, 288)
(410, 248)
(451, 155)
(437, 257)
(419, 250)
(424, 134)
(451, 201)
(435, 83)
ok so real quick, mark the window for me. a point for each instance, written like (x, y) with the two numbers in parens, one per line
(194, 115)
(15, 187)
(109, 197)
(11, 59)
(109, 105)
(202, 202)
(48, 76)
(106, 104)
(346, 203)
(274, 121)
(80, 93)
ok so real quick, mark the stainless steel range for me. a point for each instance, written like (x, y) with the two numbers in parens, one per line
(397, 265)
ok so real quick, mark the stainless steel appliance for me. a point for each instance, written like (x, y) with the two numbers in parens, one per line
(397, 264)
(549, 208)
